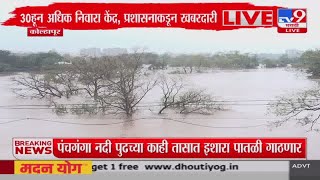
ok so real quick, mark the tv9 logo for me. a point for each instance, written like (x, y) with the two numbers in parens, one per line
(292, 20)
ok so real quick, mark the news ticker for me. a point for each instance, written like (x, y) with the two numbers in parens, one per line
(159, 148)
(296, 169)
(53, 19)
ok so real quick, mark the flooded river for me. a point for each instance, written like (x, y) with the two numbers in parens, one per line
(244, 117)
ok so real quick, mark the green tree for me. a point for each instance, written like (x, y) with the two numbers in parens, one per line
(311, 61)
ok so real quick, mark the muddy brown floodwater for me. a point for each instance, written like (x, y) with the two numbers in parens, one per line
(243, 118)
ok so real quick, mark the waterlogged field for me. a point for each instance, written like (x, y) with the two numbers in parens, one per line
(244, 95)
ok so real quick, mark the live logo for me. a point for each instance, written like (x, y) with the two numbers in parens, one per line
(292, 20)
(259, 18)
(292, 30)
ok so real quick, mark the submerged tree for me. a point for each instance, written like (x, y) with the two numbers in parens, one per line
(49, 85)
(170, 87)
(196, 101)
(302, 108)
(185, 101)
(128, 85)
(93, 75)
(111, 82)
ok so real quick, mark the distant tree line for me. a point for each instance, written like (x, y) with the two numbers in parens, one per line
(10, 62)
(193, 62)
(283, 61)
(309, 60)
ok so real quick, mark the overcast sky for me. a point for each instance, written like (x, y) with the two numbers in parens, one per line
(166, 40)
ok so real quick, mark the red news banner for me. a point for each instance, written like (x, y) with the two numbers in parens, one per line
(53, 19)
(213, 148)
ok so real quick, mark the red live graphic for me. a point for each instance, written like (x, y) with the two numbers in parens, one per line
(104, 16)
(218, 148)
